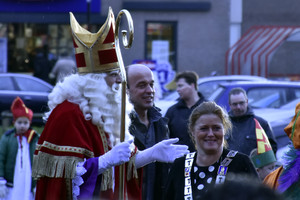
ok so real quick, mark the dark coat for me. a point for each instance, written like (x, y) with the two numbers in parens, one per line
(42, 66)
(240, 164)
(8, 153)
(243, 136)
(178, 116)
(154, 173)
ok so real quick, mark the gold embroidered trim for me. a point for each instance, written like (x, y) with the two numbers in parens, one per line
(103, 138)
(54, 166)
(107, 182)
(71, 149)
(69, 189)
(131, 171)
(30, 136)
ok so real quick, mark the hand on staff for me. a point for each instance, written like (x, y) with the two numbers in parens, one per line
(118, 155)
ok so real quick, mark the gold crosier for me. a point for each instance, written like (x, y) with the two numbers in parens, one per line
(127, 41)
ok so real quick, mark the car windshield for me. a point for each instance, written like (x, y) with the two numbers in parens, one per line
(26, 84)
(6, 83)
(271, 97)
(290, 105)
(216, 93)
(269, 101)
(208, 88)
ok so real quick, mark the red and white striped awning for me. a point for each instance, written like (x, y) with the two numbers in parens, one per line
(252, 54)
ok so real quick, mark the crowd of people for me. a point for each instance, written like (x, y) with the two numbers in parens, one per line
(196, 151)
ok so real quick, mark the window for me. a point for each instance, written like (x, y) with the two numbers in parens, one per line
(6, 83)
(160, 42)
(271, 97)
(26, 84)
(208, 88)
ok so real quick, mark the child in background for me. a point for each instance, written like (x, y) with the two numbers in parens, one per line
(264, 163)
(16, 153)
(262, 157)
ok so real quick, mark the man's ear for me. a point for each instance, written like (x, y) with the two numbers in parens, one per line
(193, 84)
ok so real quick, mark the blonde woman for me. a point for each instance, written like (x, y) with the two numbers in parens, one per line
(193, 175)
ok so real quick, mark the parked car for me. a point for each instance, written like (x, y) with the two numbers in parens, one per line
(206, 85)
(261, 94)
(33, 91)
(269, 99)
(279, 118)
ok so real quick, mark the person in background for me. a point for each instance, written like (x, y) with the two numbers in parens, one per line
(192, 176)
(286, 178)
(79, 152)
(16, 153)
(63, 67)
(245, 124)
(264, 162)
(178, 114)
(147, 126)
(41, 64)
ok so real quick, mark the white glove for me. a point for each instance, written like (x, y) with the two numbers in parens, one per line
(3, 189)
(118, 155)
(165, 151)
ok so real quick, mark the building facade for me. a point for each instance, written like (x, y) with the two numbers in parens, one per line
(175, 35)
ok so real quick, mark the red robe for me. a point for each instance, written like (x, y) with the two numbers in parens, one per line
(66, 140)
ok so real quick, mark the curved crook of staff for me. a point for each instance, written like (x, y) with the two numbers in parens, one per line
(127, 44)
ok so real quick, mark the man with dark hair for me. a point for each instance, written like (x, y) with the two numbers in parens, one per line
(179, 113)
(245, 124)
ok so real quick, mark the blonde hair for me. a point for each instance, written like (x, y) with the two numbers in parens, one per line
(210, 107)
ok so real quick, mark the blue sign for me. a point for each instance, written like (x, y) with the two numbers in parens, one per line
(163, 74)
(49, 6)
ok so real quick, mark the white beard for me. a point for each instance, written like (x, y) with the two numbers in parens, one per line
(98, 102)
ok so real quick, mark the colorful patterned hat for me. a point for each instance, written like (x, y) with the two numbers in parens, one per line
(265, 154)
(95, 52)
(19, 109)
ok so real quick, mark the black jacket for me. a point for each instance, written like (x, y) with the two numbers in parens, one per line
(154, 174)
(8, 154)
(241, 164)
(243, 136)
(178, 116)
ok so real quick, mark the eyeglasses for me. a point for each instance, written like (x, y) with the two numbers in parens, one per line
(241, 103)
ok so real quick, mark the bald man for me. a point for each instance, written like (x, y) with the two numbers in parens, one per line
(147, 126)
